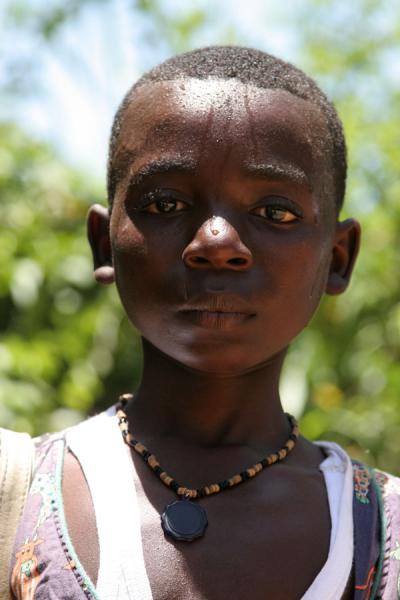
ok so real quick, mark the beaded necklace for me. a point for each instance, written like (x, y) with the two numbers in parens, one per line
(183, 519)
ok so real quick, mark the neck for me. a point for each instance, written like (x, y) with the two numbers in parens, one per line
(206, 409)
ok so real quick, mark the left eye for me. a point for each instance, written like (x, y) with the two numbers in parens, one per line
(165, 205)
(277, 214)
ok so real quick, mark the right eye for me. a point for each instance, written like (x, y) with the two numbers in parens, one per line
(162, 204)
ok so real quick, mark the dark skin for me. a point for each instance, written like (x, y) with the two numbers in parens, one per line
(222, 239)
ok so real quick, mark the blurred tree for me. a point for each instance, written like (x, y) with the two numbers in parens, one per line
(59, 331)
(351, 352)
(45, 19)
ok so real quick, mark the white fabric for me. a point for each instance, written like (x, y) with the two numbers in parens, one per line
(331, 581)
(122, 571)
(16, 460)
(107, 465)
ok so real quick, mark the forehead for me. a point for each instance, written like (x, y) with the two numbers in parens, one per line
(250, 123)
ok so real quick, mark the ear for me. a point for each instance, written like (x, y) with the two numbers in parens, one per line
(98, 232)
(344, 254)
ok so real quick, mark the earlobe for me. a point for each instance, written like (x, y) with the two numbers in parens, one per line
(98, 232)
(344, 254)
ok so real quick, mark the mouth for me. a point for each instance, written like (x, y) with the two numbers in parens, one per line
(217, 312)
(215, 320)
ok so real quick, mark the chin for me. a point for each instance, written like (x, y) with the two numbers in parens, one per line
(223, 356)
(218, 368)
(219, 363)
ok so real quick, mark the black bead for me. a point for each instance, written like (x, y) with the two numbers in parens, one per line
(174, 485)
(264, 462)
(157, 470)
(146, 455)
(224, 484)
(244, 475)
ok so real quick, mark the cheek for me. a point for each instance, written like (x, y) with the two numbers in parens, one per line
(313, 275)
(142, 273)
(300, 278)
(129, 252)
(319, 280)
(126, 238)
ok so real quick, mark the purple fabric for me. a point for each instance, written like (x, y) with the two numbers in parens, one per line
(389, 492)
(376, 514)
(43, 567)
(366, 532)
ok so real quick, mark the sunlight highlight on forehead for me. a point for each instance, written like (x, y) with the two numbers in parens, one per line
(198, 95)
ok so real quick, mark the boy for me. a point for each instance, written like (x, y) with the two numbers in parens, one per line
(226, 175)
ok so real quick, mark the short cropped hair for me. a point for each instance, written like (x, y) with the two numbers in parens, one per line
(249, 66)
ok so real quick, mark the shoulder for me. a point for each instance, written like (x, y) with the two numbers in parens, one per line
(388, 488)
(376, 518)
(389, 485)
(376, 523)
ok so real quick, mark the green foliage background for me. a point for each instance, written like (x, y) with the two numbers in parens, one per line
(66, 348)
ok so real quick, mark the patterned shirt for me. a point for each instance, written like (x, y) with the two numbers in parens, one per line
(45, 565)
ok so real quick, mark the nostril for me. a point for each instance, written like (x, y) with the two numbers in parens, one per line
(237, 262)
(199, 260)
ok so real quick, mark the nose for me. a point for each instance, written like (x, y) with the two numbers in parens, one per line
(217, 245)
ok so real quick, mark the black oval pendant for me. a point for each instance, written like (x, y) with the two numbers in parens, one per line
(184, 520)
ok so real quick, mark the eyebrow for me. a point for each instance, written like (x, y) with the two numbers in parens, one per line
(281, 172)
(164, 165)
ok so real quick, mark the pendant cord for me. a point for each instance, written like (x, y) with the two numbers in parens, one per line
(213, 488)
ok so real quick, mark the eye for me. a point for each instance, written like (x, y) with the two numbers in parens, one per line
(161, 203)
(278, 212)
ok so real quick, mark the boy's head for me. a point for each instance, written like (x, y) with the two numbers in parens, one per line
(248, 66)
(227, 172)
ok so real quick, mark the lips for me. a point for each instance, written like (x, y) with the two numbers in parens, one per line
(219, 311)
